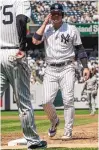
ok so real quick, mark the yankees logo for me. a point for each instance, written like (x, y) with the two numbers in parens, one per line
(65, 39)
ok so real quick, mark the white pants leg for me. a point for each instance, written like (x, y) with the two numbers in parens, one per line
(50, 85)
(93, 103)
(63, 78)
(17, 74)
(67, 88)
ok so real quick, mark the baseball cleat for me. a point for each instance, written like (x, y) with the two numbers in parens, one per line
(92, 113)
(66, 137)
(52, 131)
(42, 144)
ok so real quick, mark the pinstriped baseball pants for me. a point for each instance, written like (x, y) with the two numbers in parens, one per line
(62, 78)
(18, 75)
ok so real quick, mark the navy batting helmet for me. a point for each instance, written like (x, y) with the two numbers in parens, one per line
(57, 7)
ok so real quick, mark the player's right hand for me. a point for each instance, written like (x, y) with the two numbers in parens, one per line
(47, 19)
(86, 74)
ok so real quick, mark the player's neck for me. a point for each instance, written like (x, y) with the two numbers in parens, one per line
(57, 26)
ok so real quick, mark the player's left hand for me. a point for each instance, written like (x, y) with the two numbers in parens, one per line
(86, 74)
(20, 54)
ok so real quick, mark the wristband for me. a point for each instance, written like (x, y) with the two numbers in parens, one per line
(82, 55)
(37, 36)
(84, 62)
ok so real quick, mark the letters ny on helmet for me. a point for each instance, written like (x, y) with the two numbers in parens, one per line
(56, 7)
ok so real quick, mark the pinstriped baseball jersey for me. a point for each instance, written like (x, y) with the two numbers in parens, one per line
(59, 44)
(9, 9)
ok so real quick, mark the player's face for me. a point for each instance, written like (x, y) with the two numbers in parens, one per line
(56, 17)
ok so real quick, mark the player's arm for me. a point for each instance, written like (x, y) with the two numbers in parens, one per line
(82, 55)
(38, 35)
(21, 23)
(23, 13)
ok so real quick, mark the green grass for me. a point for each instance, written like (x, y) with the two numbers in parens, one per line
(42, 125)
(9, 113)
(41, 112)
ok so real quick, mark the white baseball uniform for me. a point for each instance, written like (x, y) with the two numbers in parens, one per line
(91, 89)
(13, 72)
(59, 46)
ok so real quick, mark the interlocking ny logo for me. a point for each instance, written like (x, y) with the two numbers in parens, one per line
(56, 6)
(65, 39)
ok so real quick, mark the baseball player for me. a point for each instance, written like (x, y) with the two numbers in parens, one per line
(91, 89)
(13, 64)
(60, 39)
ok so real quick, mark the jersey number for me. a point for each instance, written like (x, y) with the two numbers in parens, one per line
(8, 13)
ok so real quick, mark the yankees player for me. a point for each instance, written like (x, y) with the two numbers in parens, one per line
(60, 39)
(91, 89)
(13, 64)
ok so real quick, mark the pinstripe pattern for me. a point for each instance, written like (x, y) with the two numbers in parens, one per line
(59, 46)
(19, 76)
(60, 78)
(9, 10)
(9, 29)
(16, 72)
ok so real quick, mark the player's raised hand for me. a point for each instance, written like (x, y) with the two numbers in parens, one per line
(20, 54)
(86, 74)
(47, 19)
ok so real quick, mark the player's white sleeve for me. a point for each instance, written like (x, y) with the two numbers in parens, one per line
(23, 7)
(77, 38)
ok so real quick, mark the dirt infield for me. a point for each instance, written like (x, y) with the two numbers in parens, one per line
(83, 136)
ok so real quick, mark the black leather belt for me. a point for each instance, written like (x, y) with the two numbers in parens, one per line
(60, 64)
(9, 47)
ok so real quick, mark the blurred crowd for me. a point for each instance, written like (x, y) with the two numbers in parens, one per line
(75, 11)
(93, 66)
(40, 9)
(37, 67)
